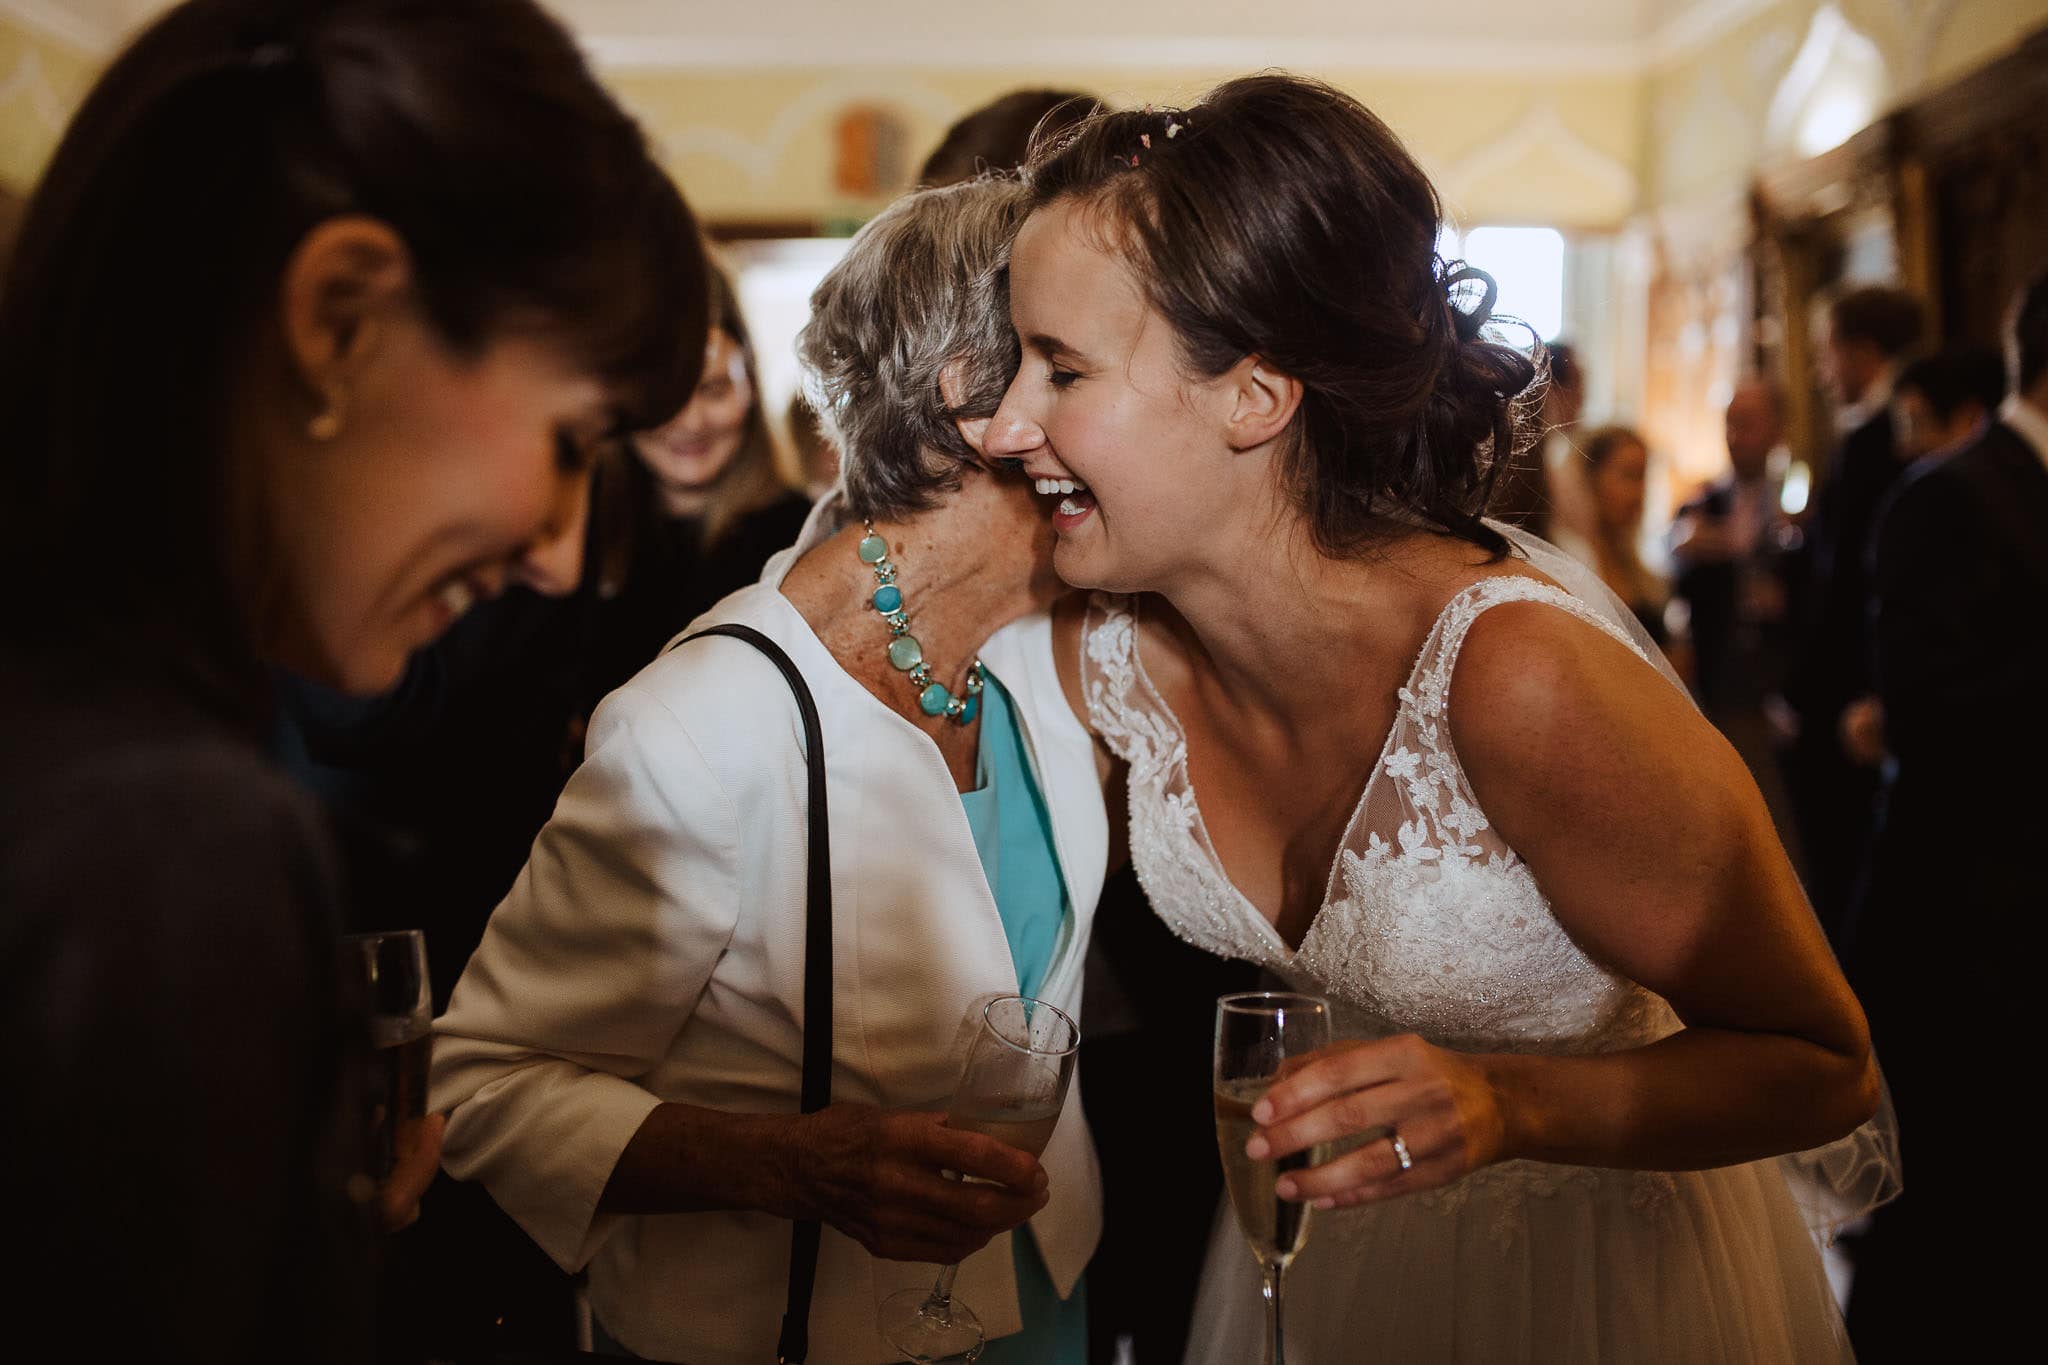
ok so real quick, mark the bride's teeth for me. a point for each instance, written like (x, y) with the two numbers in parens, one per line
(1066, 485)
(1070, 508)
(1047, 485)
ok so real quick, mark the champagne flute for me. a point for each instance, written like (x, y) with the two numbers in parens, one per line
(392, 970)
(1012, 1088)
(1258, 1035)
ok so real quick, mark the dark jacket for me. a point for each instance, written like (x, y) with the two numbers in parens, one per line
(181, 1132)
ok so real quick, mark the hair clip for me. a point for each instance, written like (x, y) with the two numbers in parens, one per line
(1172, 131)
(1134, 159)
(1145, 139)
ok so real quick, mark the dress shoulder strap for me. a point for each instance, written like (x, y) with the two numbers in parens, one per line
(1430, 685)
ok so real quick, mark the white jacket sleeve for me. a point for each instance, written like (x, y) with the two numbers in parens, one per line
(585, 975)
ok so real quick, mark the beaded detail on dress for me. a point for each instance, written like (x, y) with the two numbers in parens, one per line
(1430, 924)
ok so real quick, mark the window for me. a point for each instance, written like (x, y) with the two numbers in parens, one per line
(1527, 263)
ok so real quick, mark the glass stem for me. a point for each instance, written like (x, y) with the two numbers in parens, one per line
(1276, 1353)
(940, 1304)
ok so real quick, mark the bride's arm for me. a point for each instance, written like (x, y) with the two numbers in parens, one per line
(1649, 839)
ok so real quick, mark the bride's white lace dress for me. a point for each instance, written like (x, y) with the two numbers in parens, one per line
(1432, 925)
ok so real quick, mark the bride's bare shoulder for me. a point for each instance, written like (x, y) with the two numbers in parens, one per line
(1549, 707)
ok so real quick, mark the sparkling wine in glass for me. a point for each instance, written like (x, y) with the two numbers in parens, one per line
(1012, 1088)
(392, 970)
(1259, 1036)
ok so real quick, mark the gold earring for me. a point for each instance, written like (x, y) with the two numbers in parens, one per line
(327, 425)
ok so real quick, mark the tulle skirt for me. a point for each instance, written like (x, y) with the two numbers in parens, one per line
(1541, 1264)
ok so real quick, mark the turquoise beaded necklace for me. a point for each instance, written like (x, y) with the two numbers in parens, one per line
(905, 653)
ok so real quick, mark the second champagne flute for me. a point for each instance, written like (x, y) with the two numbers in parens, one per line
(1012, 1088)
(1258, 1036)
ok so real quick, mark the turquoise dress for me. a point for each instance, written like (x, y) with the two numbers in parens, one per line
(1013, 835)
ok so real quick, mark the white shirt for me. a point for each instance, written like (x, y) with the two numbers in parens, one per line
(1875, 399)
(652, 950)
(2028, 421)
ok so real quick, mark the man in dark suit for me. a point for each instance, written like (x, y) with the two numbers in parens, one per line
(1729, 545)
(1869, 332)
(1946, 947)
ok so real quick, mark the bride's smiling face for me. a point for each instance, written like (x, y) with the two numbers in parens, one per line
(1102, 399)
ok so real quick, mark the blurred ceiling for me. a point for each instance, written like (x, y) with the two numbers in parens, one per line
(1488, 34)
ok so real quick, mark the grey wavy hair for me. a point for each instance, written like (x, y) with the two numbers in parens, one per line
(924, 285)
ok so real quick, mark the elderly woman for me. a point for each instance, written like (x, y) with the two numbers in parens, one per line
(622, 1055)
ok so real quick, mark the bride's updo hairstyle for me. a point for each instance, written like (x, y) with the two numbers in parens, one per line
(1280, 218)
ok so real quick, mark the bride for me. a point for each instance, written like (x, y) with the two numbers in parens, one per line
(1407, 759)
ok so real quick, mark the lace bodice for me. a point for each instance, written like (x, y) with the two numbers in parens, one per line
(1430, 924)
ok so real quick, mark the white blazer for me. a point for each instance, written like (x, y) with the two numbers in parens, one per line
(652, 950)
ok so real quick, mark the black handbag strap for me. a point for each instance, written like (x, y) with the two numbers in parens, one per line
(794, 1343)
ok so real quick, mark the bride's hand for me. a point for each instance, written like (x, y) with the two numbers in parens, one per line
(1440, 1103)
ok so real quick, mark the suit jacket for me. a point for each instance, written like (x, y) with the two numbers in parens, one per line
(1961, 571)
(652, 950)
(1736, 659)
(1833, 667)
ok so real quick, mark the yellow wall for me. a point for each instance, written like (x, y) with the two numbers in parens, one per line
(1576, 149)
(41, 82)
(757, 144)
(760, 143)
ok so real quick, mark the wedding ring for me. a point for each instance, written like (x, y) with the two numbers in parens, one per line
(1401, 1152)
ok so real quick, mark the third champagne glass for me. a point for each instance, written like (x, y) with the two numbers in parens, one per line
(1012, 1089)
(1258, 1036)
(392, 968)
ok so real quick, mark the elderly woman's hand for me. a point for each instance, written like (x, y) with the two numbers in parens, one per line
(879, 1177)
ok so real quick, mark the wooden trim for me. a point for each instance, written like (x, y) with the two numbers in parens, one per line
(763, 229)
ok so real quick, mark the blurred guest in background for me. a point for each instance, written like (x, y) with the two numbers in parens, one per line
(692, 512)
(1617, 468)
(996, 136)
(1729, 548)
(1570, 502)
(1943, 401)
(355, 397)
(1869, 330)
(1949, 923)
(1940, 403)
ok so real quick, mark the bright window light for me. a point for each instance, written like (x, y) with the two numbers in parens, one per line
(1528, 265)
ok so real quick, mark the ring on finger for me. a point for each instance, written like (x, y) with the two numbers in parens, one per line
(1401, 1151)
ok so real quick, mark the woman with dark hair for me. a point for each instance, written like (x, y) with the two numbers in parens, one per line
(1584, 1003)
(693, 508)
(1616, 464)
(313, 329)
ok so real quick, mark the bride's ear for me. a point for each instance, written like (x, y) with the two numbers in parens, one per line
(1263, 401)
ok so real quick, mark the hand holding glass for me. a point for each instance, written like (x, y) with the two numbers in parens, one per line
(1012, 1088)
(1257, 1036)
(392, 969)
